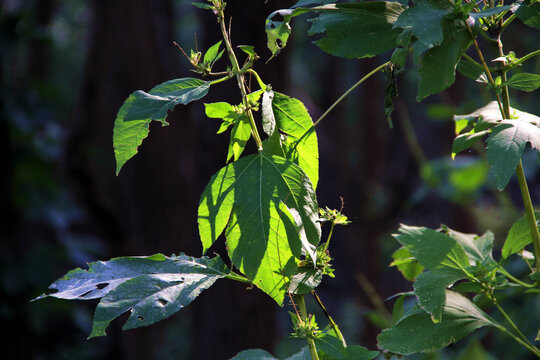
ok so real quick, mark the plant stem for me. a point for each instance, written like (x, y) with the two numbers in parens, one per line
(332, 322)
(373, 72)
(303, 313)
(525, 58)
(530, 213)
(237, 277)
(522, 339)
(514, 279)
(526, 196)
(239, 74)
(329, 236)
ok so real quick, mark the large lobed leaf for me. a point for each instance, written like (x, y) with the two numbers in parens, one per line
(132, 123)
(270, 208)
(151, 288)
(415, 332)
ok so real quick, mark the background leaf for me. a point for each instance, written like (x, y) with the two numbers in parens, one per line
(131, 126)
(357, 30)
(417, 333)
(518, 236)
(529, 13)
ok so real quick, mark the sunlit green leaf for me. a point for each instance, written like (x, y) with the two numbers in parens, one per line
(298, 140)
(417, 333)
(212, 54)
(272, 212)
(131, 126)
(406, 263)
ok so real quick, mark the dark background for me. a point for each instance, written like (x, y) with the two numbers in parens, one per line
(67, 66)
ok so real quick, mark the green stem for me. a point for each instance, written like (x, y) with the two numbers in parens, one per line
(373, 72)
(303, 313)
(526, 196)
(225, 78)
(329, 236)
(239, 75)
(514, 279)
(332, 322)
(530, 213)
(237, 277)
(507, 22)
(259, 81)
(522, 339)
(525, 58)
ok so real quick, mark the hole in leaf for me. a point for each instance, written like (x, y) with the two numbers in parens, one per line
(85, 294)
(140, 318)
(163, 302)
(102, 286)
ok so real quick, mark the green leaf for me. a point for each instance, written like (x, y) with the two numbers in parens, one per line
(489, 12)
(430, 288)
(248, 49)
(424, 19)
(278, 32)
(432, 248)
(524, 81)
(478, 248)
(131, 126)
(475, 351)
(151, 288)
(211, 54)
(518, 237)
(398, 310)
(202, 6)
(417, 333)
(299, 140)
(464, 141)
(306, 279)
(406, 263)
(357, 30)
(438, 68)
(469, 69)
(505, 146)
(254, 354)
(529, 13)
(240, 135)
(241, 130)
(330, 347)
(271, 209)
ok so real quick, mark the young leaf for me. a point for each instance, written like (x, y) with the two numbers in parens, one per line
(151, 288)
(299, 143)
(240, 135)
(529, 13)
(424, 19)
(273, 214)
(417, 333)
(212, 54)
(202, 6)
(432, 248)
(524, 81)
(505, 146)
(518, 237)
(131, 126)
(357, 30)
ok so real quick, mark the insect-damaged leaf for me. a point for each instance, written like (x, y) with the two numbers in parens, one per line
(132, 123)
(270, 207)
(151, 288)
